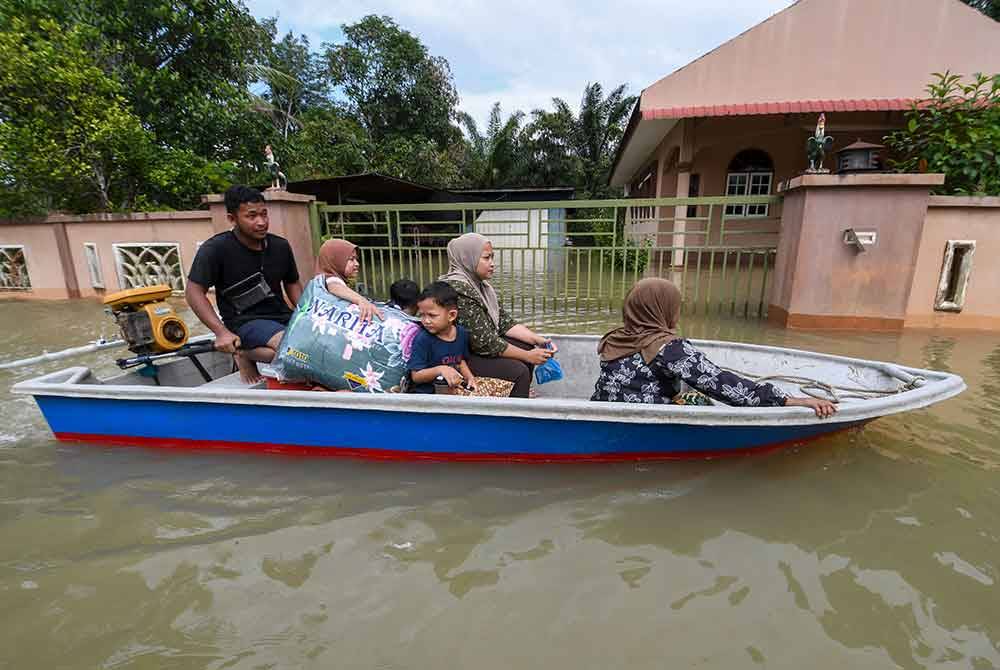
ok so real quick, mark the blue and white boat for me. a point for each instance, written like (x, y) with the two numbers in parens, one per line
(178, 409)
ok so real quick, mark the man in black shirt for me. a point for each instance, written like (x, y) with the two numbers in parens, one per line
(252, 272)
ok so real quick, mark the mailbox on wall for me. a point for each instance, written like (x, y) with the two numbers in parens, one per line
(860, 239)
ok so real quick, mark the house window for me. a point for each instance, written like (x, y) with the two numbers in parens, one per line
(750, 174)
(955, 272)
(93, 264)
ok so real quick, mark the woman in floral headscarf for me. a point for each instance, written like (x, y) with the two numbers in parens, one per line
(645, 361)
(500, 346)
(338, 262)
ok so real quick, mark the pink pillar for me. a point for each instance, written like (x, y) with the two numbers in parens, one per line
(288, 214)
(822, 282)
(684, 161)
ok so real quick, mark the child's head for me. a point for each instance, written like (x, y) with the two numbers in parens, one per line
(438, 305)
(404, 293)
(338, 258)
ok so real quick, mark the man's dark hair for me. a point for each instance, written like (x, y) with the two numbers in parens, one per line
(441, 293)
(237, 194)
(404, 292)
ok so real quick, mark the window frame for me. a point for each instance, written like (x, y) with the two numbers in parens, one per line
(744, 210)
(92, 257)
(953, 282)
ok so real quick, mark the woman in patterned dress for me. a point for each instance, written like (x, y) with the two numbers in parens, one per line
(645, 361)
(499, 346)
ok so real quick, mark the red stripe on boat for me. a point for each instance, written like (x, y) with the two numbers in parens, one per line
(184, 444)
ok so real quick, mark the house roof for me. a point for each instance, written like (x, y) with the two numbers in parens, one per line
(519, 194)
(861, 145)
(370, 187)
(377, 188)
(818, 56)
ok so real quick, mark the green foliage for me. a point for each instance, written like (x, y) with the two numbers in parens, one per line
(394, 87)
(416, 158)
(632, 256)
(116, 105)
(327, 142)
(296, 83)
(494, 159)
(549, 150)
(185, 67)
(957, 132)
(67, 136)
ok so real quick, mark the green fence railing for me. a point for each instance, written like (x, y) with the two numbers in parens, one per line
(576, 256)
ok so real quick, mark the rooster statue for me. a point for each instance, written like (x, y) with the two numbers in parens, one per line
(817, 146)
(278, 178)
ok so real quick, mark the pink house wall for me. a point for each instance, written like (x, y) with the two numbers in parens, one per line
(41, 251)
(822, 282)
(54, 246)
(818, 50)
(185, 229)
(716, 141)
(958, 218)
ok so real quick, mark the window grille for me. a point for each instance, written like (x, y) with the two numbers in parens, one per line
(13, 268)
(148, 264)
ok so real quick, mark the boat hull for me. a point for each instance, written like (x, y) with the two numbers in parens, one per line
(180, 410)
(386, 435)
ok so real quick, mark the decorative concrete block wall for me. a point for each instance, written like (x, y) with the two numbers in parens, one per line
(65, 256)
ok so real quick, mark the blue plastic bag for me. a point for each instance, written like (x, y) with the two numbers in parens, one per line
(549, 371)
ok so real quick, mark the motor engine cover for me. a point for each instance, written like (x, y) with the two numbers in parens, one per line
(148, 323)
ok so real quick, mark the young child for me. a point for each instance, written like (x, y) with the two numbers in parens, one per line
(442, 348)
(403, 296)
(338, 262)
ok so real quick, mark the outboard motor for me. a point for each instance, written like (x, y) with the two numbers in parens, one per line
(148, 323)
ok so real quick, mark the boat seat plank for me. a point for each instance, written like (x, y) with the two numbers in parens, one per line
(232, 380)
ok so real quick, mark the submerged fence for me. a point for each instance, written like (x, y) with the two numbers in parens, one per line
(577, 256)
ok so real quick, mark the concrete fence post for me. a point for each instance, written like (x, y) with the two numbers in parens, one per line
(290, 217)
(847, 250)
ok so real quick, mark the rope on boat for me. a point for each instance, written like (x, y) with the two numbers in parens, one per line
(834, 393)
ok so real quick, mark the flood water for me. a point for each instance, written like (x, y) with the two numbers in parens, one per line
(878, 548)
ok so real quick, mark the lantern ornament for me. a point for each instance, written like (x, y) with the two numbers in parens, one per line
(860, 157)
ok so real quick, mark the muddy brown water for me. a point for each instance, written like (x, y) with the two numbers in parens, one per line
(877, 548)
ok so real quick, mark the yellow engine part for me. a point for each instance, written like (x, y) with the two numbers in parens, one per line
(148, 323)
(136, 297)
(169, 330)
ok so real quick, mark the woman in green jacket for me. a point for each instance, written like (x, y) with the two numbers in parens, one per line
(500, 346)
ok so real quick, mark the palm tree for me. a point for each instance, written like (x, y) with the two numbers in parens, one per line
(495, 157)
(584, 143)
(600, 127)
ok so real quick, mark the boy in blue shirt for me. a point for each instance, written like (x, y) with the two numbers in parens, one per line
(442, 348)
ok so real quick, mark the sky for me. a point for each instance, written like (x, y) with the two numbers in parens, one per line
(523, 53)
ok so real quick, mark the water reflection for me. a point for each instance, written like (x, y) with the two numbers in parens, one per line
(875, 548)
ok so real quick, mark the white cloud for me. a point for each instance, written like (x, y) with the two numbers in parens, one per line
(525, 52)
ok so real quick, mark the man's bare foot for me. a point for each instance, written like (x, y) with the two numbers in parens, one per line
(249, 374)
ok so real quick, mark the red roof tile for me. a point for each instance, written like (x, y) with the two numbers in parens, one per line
(785, 107)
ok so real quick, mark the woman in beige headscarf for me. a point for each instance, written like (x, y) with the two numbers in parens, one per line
(337, 261)
(645, 360)
(500, 346)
